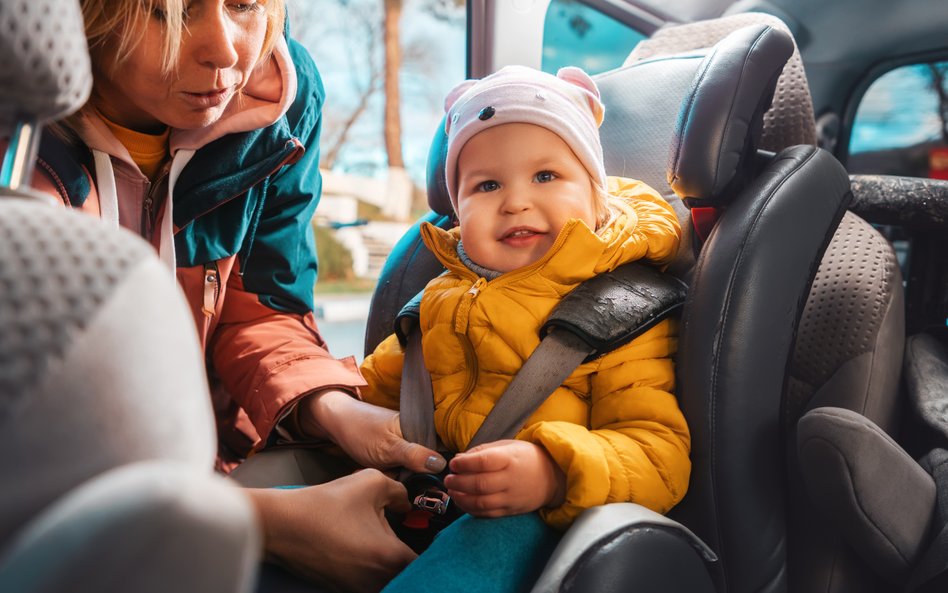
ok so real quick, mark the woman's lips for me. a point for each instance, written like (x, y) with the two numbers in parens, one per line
(208, 99)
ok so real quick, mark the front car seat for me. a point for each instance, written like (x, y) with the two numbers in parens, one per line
(106, 429)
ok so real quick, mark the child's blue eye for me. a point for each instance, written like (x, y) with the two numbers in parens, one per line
(490, 185)
(545, 176)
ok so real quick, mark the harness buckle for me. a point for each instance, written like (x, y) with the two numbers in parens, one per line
(433, 501)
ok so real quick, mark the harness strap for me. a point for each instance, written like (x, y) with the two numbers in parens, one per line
(416, 404)
(598, 316)
(555, 359)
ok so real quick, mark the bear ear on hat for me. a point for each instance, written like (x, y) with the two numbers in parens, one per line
(578, 77)
(455, 94)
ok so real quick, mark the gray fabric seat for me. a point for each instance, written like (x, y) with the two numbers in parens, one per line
(106, 426)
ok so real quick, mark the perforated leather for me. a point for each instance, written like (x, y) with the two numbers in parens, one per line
(54, 275)
(789, 120)
(849, 298)
(45, 71)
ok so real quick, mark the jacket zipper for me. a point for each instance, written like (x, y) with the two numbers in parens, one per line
(461, 321)
(148, 204)
(212, 288)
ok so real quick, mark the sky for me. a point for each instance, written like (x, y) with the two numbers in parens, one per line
(899, 109)
(336, 36)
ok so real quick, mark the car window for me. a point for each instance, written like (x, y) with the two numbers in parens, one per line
(575, 34)
(375, 138)
(900, 126)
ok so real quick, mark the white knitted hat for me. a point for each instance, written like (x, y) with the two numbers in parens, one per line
(567, 104)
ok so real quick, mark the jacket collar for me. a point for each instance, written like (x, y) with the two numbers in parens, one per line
(643, 228)
(250, 141)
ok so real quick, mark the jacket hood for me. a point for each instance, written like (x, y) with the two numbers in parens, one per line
(233, 160)
(643, 227)
(264, 100)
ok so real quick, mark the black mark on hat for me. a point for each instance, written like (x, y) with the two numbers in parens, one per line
(486, 113)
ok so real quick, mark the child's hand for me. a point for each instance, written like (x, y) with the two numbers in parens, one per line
(505, 478)
(370, 434)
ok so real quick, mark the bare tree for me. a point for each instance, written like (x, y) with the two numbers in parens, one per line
(393, 63)
(372, 65)
(369, 29)
(446, 10)
(360, 35)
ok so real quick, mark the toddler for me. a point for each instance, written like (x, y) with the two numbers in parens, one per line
(536, 217)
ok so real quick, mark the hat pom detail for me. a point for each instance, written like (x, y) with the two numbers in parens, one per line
(579, 78)
(452, 98)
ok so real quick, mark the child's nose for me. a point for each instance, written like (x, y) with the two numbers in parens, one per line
(517, 200)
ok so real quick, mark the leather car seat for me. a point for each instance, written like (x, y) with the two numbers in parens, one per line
(846, 352)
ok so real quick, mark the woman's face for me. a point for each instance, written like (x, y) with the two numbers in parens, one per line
(220, 46)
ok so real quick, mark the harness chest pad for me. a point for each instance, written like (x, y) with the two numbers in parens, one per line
(408, 318)
(614, 308)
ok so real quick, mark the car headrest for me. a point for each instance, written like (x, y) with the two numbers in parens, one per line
(721, 117)
(438, 199)
(789, 121)
(45, 73)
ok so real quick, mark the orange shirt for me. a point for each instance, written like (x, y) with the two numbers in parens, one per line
(149, 151)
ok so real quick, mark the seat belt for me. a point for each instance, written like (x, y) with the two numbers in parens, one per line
(416, 411)
(553, 360)
(598, 316)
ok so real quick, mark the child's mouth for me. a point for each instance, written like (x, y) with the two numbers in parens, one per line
(519, 236)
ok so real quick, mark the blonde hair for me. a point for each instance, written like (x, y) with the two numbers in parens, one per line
(604, 205)
(125, 21)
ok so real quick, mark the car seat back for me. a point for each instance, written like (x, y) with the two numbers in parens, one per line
(106, 425)
(847, 347)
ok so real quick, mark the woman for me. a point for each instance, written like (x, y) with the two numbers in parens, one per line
(201, 135)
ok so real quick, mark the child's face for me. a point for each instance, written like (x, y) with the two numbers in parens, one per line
(518, 184)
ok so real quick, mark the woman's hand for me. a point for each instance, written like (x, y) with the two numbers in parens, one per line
(336, 533)
(505, 478)
(370, 434)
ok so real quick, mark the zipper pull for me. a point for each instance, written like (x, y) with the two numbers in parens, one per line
(210, 290)
(464, 308)
(476, 287)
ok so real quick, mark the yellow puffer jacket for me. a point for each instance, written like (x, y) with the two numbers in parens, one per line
(613, 426)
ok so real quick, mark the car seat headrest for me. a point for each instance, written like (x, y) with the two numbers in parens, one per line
(45, 73)
(789, 121)
(721, 117)
(438, 199)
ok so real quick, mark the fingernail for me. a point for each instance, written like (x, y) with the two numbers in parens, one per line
(435, 463)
